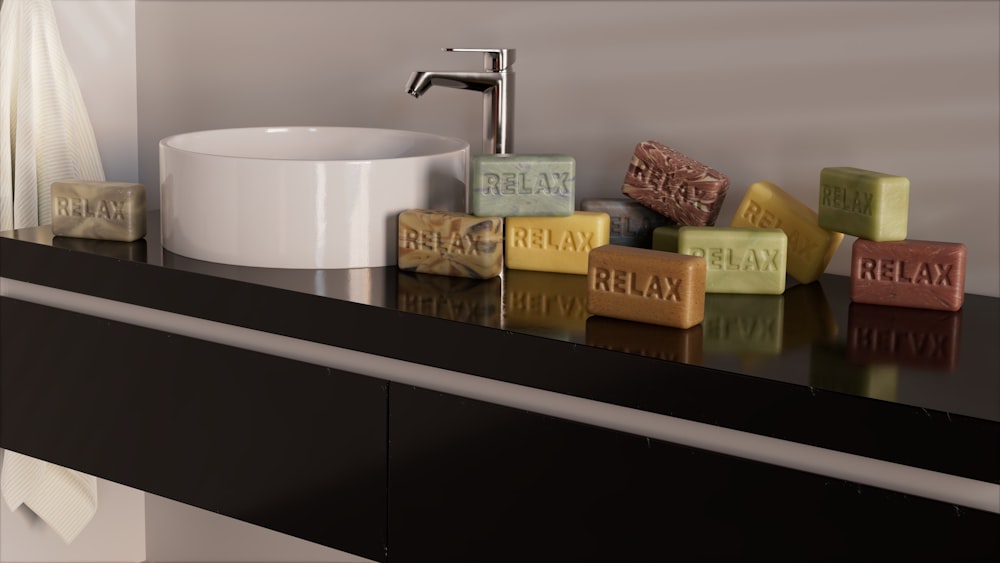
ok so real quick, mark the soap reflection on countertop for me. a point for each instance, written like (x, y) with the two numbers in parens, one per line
(831, 369)
(465, 300)
(920, 338)
(741, 324)
(546, 303)
(652, 341)
(134, 251)
(808, 316)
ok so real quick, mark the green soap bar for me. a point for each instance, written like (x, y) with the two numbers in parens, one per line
(507, 185)
(869, 205)
(739, 259)
(665, 238)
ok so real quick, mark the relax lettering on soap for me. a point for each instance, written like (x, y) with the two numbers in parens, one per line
(554, 244)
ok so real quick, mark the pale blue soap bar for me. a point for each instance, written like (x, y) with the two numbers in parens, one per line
(632, 223)
(510, 185)
(869, 205)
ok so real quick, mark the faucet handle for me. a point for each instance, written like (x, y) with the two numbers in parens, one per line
(494, 59)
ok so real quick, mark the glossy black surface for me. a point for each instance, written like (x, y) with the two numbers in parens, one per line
(780, 366)
(392, 472)
(471, 481)
(293, 447)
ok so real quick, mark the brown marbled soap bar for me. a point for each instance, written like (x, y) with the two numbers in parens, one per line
(450, 243)
(99, 210)
(909, 273)
(904, 336)
(675, 185)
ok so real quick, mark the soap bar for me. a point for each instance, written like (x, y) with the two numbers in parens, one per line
(665, 238)
(644, 339)
(810, 247)
(909, 273)
(632, 223)
(739, 260)
(460, 299)
(649, 286)
(675, 185)
(555, 244)
(919, 338)
(507, 185)
(450, 243)
(866, 204)
(744, 324)
(98, 210)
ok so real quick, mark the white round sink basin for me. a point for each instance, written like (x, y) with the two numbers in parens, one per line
(302, 197)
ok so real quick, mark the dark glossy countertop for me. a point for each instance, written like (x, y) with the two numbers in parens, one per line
(910, 386)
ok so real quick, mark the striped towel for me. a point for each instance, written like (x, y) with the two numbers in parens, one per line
(65, 499)
(45, 132)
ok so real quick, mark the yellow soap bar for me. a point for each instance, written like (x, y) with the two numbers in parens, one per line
(555, 244)
(739, 260)
(645, 285)
(810, 247)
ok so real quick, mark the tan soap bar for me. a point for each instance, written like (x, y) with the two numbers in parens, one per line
(909, 273)
(450, 244)
(810, 247)
(555, 244)
(98, 210)
(649, 286)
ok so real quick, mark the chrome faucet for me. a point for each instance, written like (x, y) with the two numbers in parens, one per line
(497, 85)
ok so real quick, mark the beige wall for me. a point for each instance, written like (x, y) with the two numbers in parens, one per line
(759, 90)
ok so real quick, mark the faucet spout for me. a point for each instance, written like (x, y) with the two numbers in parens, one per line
(421, 81)
(497, 85)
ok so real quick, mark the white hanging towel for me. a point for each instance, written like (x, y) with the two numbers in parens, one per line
(45, 132)
(65, 499)
(45, 136)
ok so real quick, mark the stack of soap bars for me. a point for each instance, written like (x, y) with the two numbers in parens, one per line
(652, 255)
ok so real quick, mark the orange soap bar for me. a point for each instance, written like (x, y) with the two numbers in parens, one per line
(909, 273)
(649, 286)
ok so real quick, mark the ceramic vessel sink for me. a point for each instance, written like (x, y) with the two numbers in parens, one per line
(302, 197)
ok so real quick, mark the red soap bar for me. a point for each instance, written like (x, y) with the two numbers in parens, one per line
(909, 273)
(900, 335)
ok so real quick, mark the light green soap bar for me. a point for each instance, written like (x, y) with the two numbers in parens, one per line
(739, 259)
(866, 204)
(509, 185)
(665, 238)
